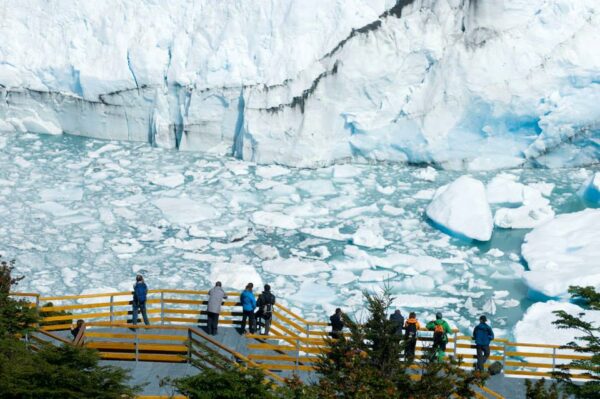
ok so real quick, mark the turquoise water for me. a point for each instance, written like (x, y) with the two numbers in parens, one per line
(83, 215)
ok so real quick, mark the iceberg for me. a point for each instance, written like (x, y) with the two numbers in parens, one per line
(315, 82)
(461, 209)
(563, 252)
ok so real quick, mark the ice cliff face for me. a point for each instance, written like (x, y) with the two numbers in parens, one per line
(459, 83)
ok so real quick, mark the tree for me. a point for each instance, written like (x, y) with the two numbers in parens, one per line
(17, 317)
(52, 372)
(539, 390)
(231, 381)
(65, 372)
(368, 363)
(589, 343)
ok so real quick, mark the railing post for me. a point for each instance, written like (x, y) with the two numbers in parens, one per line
(162, 308)
(307, 330)
(503, 357)
(189, 332)
(112, 316)
(297, 354)
(553, 359)
(136, 345)
(455, 344)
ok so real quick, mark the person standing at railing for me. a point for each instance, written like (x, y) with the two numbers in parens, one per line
(215, 300)
(248, 305)
(483, 335)
(337, 323)
(411, 331)
(265, 304)
(140, 291)
(398, 320)
(441, 329)
(77, 328)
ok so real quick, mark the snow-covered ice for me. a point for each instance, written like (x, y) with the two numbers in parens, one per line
(536, 324)
(461, 208)
(590, 191)
(564, 252)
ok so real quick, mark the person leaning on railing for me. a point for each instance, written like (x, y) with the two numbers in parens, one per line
(248, 305)
(140, 291)
(215, 300)
(337, 323)
(483, 335)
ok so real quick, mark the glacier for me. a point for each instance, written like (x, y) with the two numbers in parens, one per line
(462, 84)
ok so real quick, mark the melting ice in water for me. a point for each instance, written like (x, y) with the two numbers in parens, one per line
(85, 216)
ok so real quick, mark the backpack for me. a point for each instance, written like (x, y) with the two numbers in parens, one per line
(439, 335)
(495, 368)
(140, 290)
(267, 300)
(410, 331)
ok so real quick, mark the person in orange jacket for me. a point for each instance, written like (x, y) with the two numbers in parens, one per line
(411, 328)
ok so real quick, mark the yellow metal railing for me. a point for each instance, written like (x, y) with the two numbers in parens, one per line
(300, 340)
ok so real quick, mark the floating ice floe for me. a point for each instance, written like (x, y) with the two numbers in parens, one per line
(275, 219)
(370, 235)
(461, 209)
(294, 266)
(535, 210)
(504, 189)
(171, 180)
(313, 293)
(427, 174)
(185, 211)
(98, 290)
(536, 324)
(563, 252)
(234, 275)
(590, 191)
(268, 172)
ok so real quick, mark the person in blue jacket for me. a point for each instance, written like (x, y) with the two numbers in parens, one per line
(483, 335)
(248, 305)
(140, 291)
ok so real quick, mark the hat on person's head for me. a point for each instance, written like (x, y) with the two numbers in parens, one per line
(218, 283)
(267, 287)
(483, 319)
(438, 315)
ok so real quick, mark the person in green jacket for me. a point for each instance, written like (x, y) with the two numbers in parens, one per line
(440, 329)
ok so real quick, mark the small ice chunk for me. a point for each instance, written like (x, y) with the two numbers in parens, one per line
(234, 275)
(390, 210)
(294, 266)
(275, 219)
(377, 275)
(317, 187)
(424, 194)
(54, 208)
(534, 211)
(504, 189)
(461, 208)
(427, 174)
(127, 246)
(345, 171)
(62, 194)
(265, 252)
(370, 235)
(268, 172)
(341, 277)
(495, 252)
(543, 187)
(314, 294)
(172, 180)
(185, 211)
(187, 245)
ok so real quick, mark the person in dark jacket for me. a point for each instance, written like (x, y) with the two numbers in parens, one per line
(398, 321)
(411, 333)
(140, 291)
(337, 323)
(75, 330)
(248, 305)
(265, 303)
(215, 300)
(483, 335)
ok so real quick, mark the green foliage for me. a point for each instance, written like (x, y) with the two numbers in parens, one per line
(233, 382)
(588, 343)
(55, 313)
(65, 372)
(368, 364)
(17, 317)
(540, 390)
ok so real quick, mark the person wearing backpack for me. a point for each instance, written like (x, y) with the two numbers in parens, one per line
(248, 305)
(441, 329)
(411, 333)
(140, 291)
(337, 323)
(398, 320)
(483, 335)
(265, 304)
(215, 300)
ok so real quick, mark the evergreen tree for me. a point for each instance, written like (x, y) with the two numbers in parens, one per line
(17, 317)
(588, 343)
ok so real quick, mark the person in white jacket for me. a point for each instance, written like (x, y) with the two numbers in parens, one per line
(215, 300)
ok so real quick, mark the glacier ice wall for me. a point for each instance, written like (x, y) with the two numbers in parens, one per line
(473, 84)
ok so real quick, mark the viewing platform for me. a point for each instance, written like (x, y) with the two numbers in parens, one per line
(175, 342)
